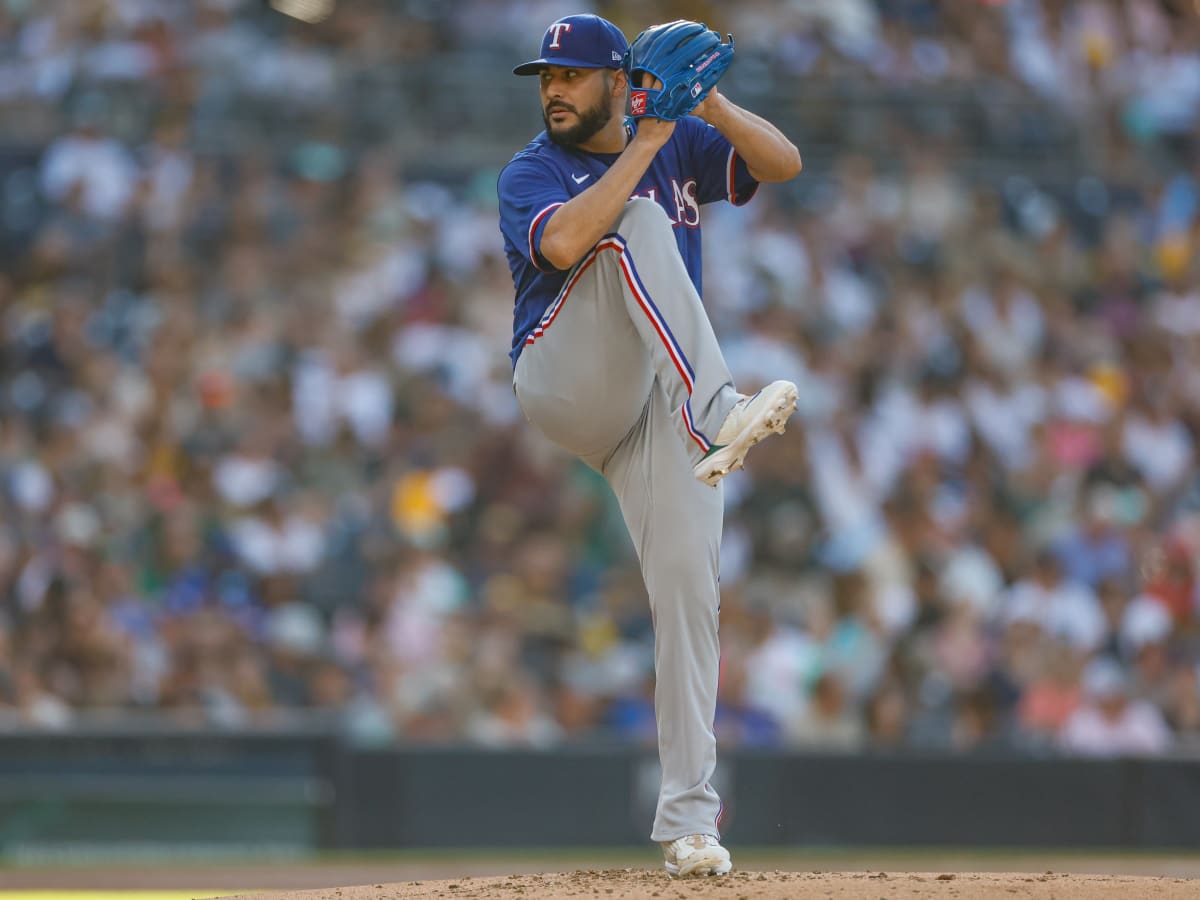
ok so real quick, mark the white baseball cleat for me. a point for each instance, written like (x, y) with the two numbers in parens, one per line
(750, 420)
(696, 854)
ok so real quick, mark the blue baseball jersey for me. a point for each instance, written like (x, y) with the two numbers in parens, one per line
(697, 165)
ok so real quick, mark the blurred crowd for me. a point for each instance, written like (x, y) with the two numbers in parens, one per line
(260, 459)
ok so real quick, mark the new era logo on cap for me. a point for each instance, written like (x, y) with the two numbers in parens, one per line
(584, 41)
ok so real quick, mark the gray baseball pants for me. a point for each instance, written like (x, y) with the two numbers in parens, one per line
(626, 373)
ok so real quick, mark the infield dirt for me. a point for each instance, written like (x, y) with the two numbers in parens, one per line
(614, 884)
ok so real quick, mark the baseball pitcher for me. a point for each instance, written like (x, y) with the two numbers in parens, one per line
(613, 354)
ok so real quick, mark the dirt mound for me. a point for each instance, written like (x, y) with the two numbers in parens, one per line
(615, 884)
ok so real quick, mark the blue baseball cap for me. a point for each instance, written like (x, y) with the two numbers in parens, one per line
(584, 41)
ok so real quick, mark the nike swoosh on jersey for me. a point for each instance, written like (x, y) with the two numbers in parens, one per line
(580, 179)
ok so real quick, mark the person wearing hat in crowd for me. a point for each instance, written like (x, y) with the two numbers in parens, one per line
(1111, 722)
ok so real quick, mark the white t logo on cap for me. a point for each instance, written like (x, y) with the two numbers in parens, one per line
(558, 28)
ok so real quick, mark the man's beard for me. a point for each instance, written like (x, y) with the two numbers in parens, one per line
(589, 124)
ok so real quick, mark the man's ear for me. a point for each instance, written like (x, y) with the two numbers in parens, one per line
(620, 83)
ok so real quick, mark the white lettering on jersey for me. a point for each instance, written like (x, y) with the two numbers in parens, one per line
(687, 206)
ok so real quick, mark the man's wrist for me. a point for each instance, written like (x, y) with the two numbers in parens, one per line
(715, 110)
(652, 138)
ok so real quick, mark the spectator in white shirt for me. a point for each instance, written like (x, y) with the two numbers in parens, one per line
(98, 164)
(1156, 442)
(1066, 610)
(1111, 722)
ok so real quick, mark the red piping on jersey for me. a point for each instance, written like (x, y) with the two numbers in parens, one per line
(533, 227)
(552, 313)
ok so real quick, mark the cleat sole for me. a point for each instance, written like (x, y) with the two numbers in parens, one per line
(773, 422)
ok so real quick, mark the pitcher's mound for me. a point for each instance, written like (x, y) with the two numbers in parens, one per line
(649, 883)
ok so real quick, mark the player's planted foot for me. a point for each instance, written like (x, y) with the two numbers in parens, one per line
(751, 420)
(696, 854)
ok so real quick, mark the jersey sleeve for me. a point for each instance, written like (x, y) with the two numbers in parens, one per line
(720, 173)
(529, 193)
